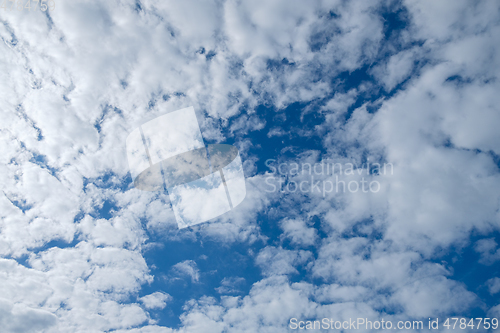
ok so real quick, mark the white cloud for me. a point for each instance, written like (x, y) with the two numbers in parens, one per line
(76, 82)
(187, 268)
(488, 249)
(397, 69)
(433, 295)
(244, 124)
(156, 300)
(275, 131)
(493, 285)
(341, 102)
(449, 19)
(73, 285)
(298, 232)
(20, 318)
(230, 285)
(430, 178)
(278, 261)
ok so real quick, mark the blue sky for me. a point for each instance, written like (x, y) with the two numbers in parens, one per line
(412, 84)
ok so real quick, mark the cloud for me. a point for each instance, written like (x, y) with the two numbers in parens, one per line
(230, 285)
(77, 80)
(488, 250)
(275, 131)
(298, 232)
(156, 300)
(268, 307)
(493, 285)
(19, 318)
(396, 70)
(86, 296)
(187, 268)
(244, 124)
(276, 261)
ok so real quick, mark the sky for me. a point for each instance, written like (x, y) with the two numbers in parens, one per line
(297, 87)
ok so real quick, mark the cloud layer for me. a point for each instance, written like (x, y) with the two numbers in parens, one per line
(409, 83)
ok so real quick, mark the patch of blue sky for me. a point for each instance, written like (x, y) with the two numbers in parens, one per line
(215, 262)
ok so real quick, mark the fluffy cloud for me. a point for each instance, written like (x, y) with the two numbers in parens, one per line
(156, 300)
(493, 285)
(75, 81)
(187, 268)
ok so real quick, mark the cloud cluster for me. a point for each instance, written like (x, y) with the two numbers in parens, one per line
(410, 83)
